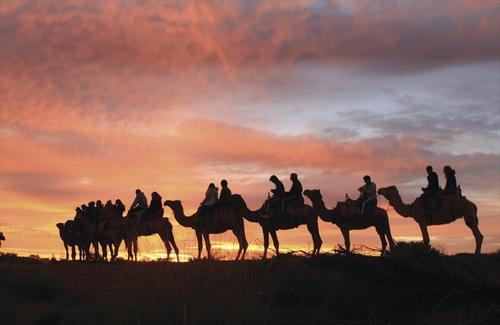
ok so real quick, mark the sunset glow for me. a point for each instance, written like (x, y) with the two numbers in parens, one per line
(99, 98)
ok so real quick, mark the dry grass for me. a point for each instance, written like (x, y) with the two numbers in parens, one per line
(328, 289)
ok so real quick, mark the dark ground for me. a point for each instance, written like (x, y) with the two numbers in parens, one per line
(416, 288)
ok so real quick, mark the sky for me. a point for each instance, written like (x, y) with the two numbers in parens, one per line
(100, 98)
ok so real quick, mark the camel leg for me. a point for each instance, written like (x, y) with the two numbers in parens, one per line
(104, 251)
(235, 232)
(170, 240)
(136, 248)
(128, 246)
(388, 234)
(381, 234)
(169, 249)
(96, 249)
(347, 240)
(239, 233)
(386, 229)
(117, 248)
(425, 234)
(73, 252)
(164, 238)
(174, 245)
(208, 246)
(66, 248)
(200, 243)
(314, 231)
(244, 242)
(276, 242)
(266, 242)
(472, 223)
(87, 251)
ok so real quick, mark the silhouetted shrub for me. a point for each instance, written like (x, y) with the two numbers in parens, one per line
(413, 248)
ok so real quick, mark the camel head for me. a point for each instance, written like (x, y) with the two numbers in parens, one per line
(313, 195)
(174, 205)
(2, 237)
(389, 191)
(60, 226)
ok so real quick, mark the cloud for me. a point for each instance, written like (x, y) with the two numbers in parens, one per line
(43, 186)
(169, 37)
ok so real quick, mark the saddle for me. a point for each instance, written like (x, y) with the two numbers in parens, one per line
(349, 207)
(294, 205)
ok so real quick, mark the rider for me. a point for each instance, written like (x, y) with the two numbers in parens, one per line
(294, 193)
(433, 182)
(225, 195)
(431, 190)
(368, 195)
(207, 206)
(120, 207)
(278, 194)
(140, 203)
(155, 209)
(451, 181)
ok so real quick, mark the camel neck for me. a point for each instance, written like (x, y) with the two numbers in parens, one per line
(322, 211)
(400, 207)
(181, 217)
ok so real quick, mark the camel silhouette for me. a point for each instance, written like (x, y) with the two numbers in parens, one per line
(293, 217)
(378, 219)
(2, 238)
(451, 208)
(67, 232)
(135, 228)
(110, 231)
(224, 219)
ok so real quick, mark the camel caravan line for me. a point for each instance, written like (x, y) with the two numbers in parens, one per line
(104, 227)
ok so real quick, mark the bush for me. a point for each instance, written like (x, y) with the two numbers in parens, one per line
(413, 248)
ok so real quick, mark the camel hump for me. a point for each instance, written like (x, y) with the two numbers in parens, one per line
(236, 197)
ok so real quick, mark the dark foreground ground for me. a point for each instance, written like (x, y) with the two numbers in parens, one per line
(328, 289)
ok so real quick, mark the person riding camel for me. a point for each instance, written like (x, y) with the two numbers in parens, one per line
(207, 206)
(368, 196)
(120, 207)
(91, 212)
(140, 203)
(155, 209)
(98, 210)
(431, 190)
(294, 193)
(432, 182)
(278, 195)
(225, 195)
(84, 209)
(78, 214)
(451, 181)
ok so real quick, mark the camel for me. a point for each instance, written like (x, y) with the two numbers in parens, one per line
(2, 238)
(224, 219)
(450, 209)
(345, 222)
(133, 228)
(294, 216)
(110, 231)
(67, 232)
